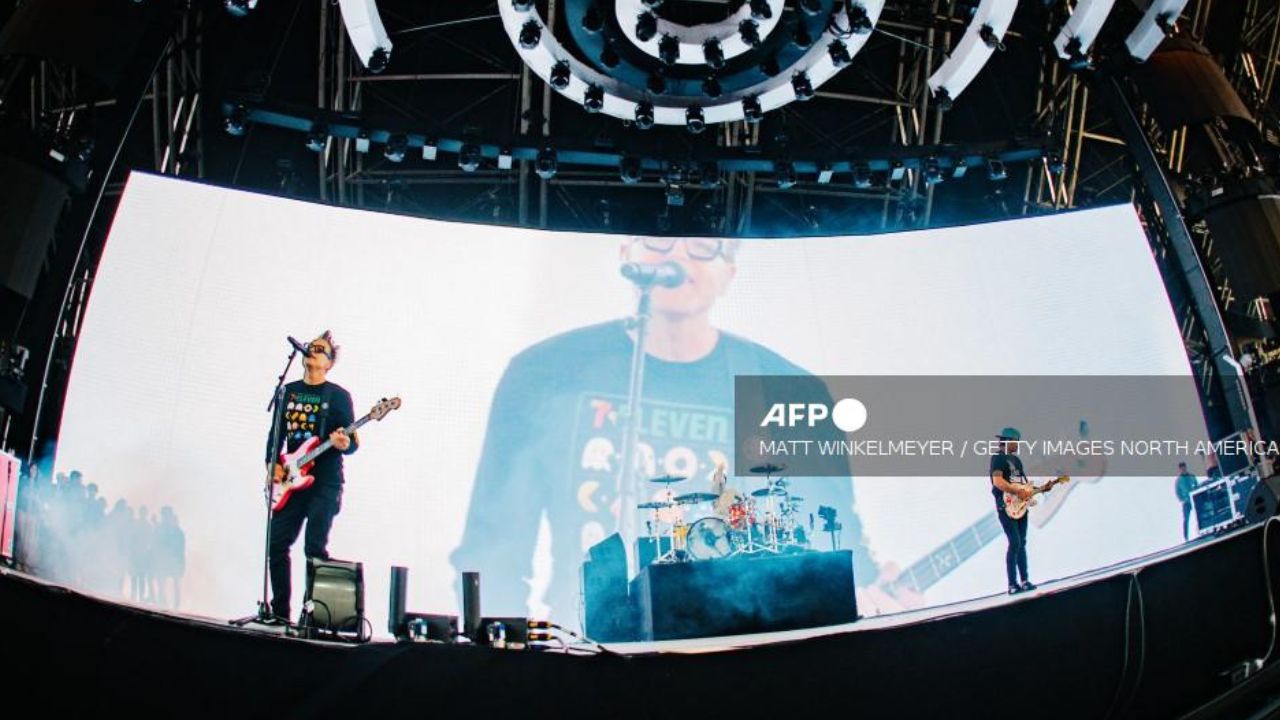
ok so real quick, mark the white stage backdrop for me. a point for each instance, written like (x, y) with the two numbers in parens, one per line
(185, 334)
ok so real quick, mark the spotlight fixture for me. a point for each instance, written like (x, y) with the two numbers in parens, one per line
(988, 35)
(656, 84)
(592, 20)
(859, 20)
(760, 9)
(711, 87)
(379, 59)
(1076, 58)
(931, 171)
(675, 196)
(668, 49)
(751, 110)
(609, 57)
(785, 173)
(362, 141)
(504, 158)
(958, 168)
(896, 170)
(996, 170)
(674, 174)
(943, 99)
(652, 4)
(803, 90)
(429, 148)
(546, 164)
(318, 137)
(235, 122)
(861, 176)
(396, 146)
(240, 8)
(644, 115)
(801, 37)
(530, 35)
(694, 120)
(825, 171)
(713, 54)
(811, 7)
(560, 75)
(1053, 163)
(631, 170)
(839, 53)
(769, 66)
(646, 26)
(469, 157)
(750, 32)
(593, 99)
(522, 6)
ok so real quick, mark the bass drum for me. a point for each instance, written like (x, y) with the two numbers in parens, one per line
(708, 539)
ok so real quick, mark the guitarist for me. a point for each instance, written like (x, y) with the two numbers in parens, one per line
(1007, 476)
(311, 407)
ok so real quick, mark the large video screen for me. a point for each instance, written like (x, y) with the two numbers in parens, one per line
(511, 352)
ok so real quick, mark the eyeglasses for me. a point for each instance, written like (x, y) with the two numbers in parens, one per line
(318, 349)
(703, 249)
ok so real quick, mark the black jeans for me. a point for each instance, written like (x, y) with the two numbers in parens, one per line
(1186, 518)
(317, 506)
(1015, 558)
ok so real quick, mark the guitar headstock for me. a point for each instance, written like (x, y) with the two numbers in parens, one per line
(383, 407)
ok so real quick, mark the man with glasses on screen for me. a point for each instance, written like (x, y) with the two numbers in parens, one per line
(555, 431)
(313, 407)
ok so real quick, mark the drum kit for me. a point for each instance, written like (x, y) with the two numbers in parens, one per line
(766, 520)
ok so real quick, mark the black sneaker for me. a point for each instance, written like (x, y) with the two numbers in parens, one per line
(1014, 589)
(1027, 586)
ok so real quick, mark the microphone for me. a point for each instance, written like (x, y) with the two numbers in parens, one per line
(298, 346)
(669, 274)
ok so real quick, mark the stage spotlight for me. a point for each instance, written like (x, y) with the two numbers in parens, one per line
(769, 66)
(396, 146)
(609, 57)
(811, 7)
(711, 87)
(801, 37)
(996, 170)
(504, 158)
(988, 35)
(694, 120)
(646, 26)
(930, 171)
(859, 20)
(825, 172)
(235, 122)
(897, 170)
(522, 6)
(668, 50)
(593, 99)
(1053, 163)
(469, 157)
(429, 148)
(378, 60)
(592, 19)
(839, 53)
(750, 32)
(861, 176)
(644, 115)
(546, 164)
(318, 137)
(240, 8)
(751, 110)
(713, 54)
(760, 10)
(362, 141)
(958, 168)
(943, 99)
(631, 170)
(560, 75)
(710, 172)
(674, 174)
(530, 35)
(800, 84)
(785, 173)
(656, 84)
(1076, 57)
(675, 196)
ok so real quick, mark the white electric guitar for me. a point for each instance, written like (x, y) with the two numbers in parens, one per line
(297, 464)
(1015, 507)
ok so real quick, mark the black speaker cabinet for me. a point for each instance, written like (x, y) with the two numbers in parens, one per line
(335, 595)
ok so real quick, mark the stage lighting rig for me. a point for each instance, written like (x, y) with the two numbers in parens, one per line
(429, 148)
(989, 38)
(750, 32)
(861, 176)
(825, 172)
(839, 54)
(560, 75)
(396, 147)
(240, 8)
(859, 20)
(651, 4)
(801, 38)
(646, 26)
(811, 7)
(996, 170)
(675, 196)
(379, 59)
(669, 50)
(469, 157)
(362, 141)
(713, 54)
(505, 161)
(530, 35)
(593, 99)
(769, 66)
(609, 57)
(751, 111)
(236, 121)
(631, 170)
(546, 163)
(317, 137)
(656, 84)
(800, 84)
(522, 6)
(644, 115)
(785, 173)
(592, 19)
(694, 120)
(710, 172)
(931, 171)
(760, 10)
(1053, 163)
(711, 88)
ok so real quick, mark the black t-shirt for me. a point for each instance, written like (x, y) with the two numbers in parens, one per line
(1011, 466)
(316, 411)
(554, 440)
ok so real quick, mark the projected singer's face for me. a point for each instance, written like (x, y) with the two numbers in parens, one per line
(707, 262)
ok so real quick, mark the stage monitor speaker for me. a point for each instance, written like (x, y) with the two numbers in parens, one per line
(608, 614)
(1262, 501)
(335, 596)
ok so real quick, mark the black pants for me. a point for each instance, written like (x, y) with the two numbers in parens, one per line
(1015, 558)
(1186, 518)
(317, 506)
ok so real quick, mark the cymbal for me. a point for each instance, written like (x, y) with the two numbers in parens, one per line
(762, 492)
(768, 469)
(668, 479)
(655, 505)
(695, 497)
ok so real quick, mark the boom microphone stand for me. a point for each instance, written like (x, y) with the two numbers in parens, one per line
(264, 615)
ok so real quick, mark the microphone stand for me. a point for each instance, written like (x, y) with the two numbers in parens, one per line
(264, 615)
(627, 474)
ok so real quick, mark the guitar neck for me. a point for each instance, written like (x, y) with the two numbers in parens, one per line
(948, 556)
(322, 447)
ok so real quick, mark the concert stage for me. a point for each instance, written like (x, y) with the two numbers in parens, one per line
(1151, 638)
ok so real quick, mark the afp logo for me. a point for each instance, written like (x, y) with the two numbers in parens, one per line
(848, 414)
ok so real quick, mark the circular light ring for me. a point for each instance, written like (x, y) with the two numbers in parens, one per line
(691, 37)
(620, 100)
